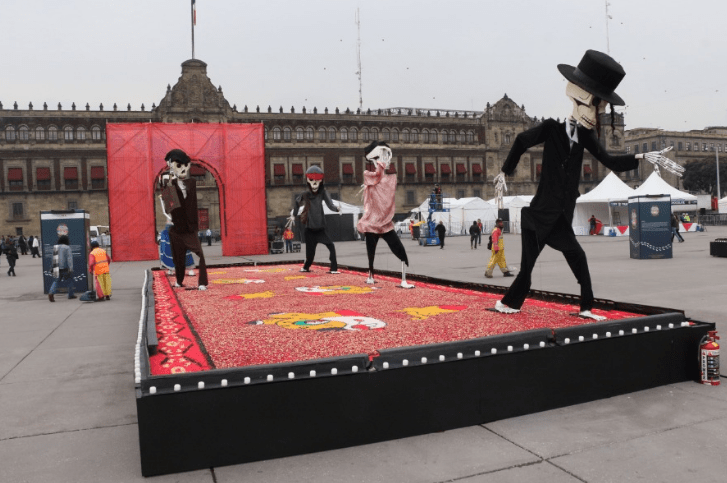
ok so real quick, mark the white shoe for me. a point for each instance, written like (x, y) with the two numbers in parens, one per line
(587, 314)
(176, 285)
(370, 281)
(406, 285)
(304, 269)
(335, 272)
(191, 273)
(202, 287)
(504, 309)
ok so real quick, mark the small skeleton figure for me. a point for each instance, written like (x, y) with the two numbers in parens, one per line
(313, 219)
(179, 205)
(548, 219)
(379, 206)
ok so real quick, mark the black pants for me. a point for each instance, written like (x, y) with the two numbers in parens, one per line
(391, 239)
(312, 239)
(441, 241)
(473, 241)
(34, 251)
(11, 262)
(181, 242)
(563, 239)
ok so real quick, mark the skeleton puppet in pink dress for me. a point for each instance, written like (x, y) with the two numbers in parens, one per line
(379, 207)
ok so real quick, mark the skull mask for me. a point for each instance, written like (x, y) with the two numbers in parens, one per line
(178, 163)
(585, 105)
(314, 178)
(380, 155)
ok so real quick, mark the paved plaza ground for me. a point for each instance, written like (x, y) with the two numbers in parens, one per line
(68, 414)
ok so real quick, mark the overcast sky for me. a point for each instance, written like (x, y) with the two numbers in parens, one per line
(453, 54)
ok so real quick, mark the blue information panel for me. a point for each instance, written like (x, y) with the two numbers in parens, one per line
(75, 224)
(650, 226)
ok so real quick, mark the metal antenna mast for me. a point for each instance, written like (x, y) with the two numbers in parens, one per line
(358, 54)
(608, 17)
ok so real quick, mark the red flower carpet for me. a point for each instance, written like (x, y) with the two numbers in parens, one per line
(275, 313)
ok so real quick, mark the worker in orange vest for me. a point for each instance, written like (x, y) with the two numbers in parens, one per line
(98, 263)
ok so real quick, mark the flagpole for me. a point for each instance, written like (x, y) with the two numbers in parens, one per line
(192, 12)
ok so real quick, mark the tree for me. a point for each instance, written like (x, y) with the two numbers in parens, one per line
(701, 176)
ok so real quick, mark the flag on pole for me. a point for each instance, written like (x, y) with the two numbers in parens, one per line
(194, 12)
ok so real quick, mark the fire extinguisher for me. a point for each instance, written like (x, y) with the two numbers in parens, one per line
(709, 358)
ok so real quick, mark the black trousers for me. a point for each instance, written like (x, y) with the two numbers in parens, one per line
(441, 241)
(181, 242)
(312, 239)
(563, 239)
(391, 239)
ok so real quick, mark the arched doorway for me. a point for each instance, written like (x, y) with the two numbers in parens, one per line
(234, 155)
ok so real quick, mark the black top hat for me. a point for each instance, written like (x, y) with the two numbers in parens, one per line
(597, 73)
(373, 146)
(177, 155)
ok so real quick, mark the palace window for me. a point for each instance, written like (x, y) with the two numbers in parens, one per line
(96, 133)
(425, 136)
(414, 136)
(331, 134)
(410, 170)
(42, 179)
(81, 133)
(365, 134)
(410, 198)
(374, 134)
(704, 146)
(299, 134)
(347, 170)
(297, 173)
(53, 133)
(470, 137)
(15, 179)
(10, 133)
(353, 134)
(39, 133)
(279, 173)
(395, 135)
(679, 146)
(587, 173)
(344, 134)
(276, 134)
(70, 176)
(68, 133)
(23, 133)
(476, 172)
(98, 177)
(461, 172)
(646, 147)
(72, 205)
(689, 146)
(309, 134)
(385, 135)
(653, 145)
(445, 172)
(429, 172)
(433, 137)
(18, 211)
(405, 136)
(286, 133)
(460, 137)
(451, 138)
(321, 134)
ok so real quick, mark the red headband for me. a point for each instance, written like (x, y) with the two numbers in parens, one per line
(316, 176)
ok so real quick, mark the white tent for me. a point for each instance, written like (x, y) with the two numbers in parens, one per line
(514, 204)
(655, 185)
(462, 212)
(723, 205)
(597, 202)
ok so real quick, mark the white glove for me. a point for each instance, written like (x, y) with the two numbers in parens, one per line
(500, 189)
(657, 158)
(291, 222)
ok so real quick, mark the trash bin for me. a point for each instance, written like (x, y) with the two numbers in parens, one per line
(650, 226)
(417, 230)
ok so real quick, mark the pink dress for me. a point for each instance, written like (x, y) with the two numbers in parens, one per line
(379, 202)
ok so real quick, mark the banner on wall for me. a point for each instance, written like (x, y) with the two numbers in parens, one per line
(233, 153)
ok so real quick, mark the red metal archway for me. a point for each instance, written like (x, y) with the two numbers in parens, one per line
(233, 153)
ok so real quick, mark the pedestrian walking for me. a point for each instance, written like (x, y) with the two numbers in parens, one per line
(474, 233)
(208, 234)
(35, 247)
(675, 228)
(479, 236)
(11, 253)
(288, 236)
(62, 268)
(498, 252)
(23, 245)
(441, 233)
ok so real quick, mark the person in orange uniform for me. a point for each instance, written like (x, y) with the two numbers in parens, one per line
(98, 263)
(288, 236)
(498, 252)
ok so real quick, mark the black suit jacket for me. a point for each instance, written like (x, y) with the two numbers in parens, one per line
(184, 218)
(561, 171)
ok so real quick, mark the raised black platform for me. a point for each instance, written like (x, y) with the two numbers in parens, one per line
(718, 248)
(262, 412)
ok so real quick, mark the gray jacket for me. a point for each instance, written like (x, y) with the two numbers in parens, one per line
(313, 218)
(65, 257)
